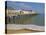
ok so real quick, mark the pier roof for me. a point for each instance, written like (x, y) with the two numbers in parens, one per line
(26, 9)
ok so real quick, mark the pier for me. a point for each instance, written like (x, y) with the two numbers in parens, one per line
(20, 12)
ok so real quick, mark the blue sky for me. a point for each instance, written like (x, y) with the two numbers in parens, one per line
(38, 7)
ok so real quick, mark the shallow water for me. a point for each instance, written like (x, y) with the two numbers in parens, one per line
(38, 20)
(30, 19)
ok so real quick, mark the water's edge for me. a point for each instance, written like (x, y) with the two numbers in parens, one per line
(18, 26)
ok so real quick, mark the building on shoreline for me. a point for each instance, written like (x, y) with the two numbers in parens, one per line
(18, 12)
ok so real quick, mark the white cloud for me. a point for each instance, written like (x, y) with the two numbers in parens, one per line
(24, 5)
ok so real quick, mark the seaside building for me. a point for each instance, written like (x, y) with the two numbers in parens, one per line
(19, 12)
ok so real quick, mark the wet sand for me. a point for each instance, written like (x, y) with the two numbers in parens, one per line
(21, 31)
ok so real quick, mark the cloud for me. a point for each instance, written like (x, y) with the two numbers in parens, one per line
(18, 5)
(23, 5)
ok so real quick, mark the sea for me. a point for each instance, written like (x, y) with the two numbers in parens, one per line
(27, 20)
(34, 22)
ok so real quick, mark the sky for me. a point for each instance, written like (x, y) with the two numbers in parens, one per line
(37, 7)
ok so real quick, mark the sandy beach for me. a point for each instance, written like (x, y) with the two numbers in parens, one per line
(13, 28)
(21, 31)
